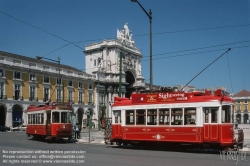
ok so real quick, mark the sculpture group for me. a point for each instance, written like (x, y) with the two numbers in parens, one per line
(124, 35)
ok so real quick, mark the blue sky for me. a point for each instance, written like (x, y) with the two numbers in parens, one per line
(187, 35)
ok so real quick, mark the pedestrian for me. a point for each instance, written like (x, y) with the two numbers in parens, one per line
(76, 131)
(236, 124)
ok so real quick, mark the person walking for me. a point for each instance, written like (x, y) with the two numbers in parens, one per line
(236, 124)
(77, 131)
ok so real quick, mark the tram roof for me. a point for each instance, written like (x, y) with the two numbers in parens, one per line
(173, 97)
(50, 106)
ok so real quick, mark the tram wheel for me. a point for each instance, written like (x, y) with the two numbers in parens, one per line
(118, 143)
(125, 143)
(240, 146)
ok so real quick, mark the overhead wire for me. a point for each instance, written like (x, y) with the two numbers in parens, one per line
(219, 45)
(190, 30)
(205, 68)
(194, 53)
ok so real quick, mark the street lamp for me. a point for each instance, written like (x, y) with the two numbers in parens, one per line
(149, 14)
(59, 75)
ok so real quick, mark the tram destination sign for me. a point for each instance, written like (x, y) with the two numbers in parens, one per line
(159, 97)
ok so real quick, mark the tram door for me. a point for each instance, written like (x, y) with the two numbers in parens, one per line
(211, 127)
(48, 123)
(116, 124)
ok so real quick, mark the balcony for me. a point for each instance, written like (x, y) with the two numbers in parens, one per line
(80, 102)
(17, 97)
(46, 99)
(72, 101)
(59, 100)
(102, 103)
(90, 103)
(238, 111)
(245, 111)
(33, 99)
(3, 96)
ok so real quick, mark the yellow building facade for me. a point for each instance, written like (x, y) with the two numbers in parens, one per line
(28, 81)
(242, 106)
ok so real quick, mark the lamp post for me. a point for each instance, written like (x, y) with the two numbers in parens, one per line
(59, 75)
(149, 14)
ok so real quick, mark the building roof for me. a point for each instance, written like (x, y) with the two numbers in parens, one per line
(25, 58)
(243, 93)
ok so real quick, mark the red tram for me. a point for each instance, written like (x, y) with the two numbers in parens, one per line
(175, 118)
(50, 121)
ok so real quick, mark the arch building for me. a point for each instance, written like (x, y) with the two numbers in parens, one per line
(103, 61)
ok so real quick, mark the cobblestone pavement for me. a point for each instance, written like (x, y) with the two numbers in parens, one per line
(246, 130)
(96, 136)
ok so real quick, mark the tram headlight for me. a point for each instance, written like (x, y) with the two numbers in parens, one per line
(63, 126)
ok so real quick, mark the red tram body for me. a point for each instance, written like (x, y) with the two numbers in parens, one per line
(175, 118)
(50, 121)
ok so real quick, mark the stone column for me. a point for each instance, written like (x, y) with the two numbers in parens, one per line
(98, 107)
(242, 118)
(110, 100)
(9, 117)
(24, 117)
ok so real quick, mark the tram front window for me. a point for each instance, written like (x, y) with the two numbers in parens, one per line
(48, 118)
(69, 115)
(64, 117)
(214, 113)
(117, 116)
(55, 117)
(225, 114)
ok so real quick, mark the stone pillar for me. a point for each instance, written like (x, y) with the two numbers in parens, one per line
(109, 107)
(9, 117)
(98, 108)
(242, 118)
(24, 117)
(115, 94)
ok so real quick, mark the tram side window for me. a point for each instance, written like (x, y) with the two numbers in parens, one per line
(225, 114)
(69, 117)
(152, 117)
(130, 117)
(164, 116)
(176, 116)
(117, 115)
(38, 119)
(29, 119)
(55, 118)
(206, 115)
(214, 115)
(140, 117)
(33, 119)
(190, 116)
(42, 118)
(63, 117)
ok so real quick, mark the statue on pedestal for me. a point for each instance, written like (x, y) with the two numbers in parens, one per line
(125, 36)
